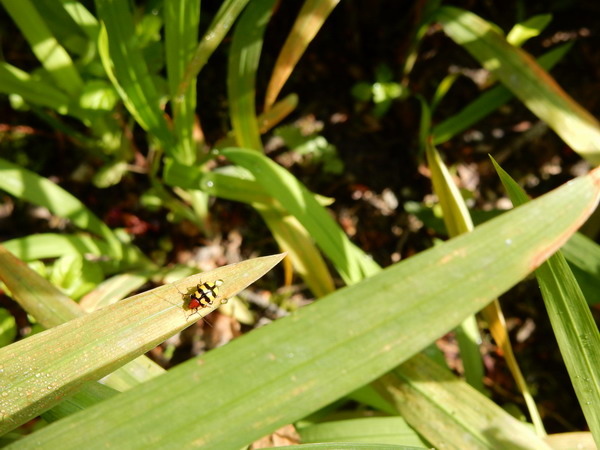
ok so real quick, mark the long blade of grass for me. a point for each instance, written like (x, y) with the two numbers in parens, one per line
(124, 64)
(57, 362)
(489, 101)
(293, 238)
(449, 409)
(458, 221)
(575, 439)
(29, 186)
(51, 308)
(181, 37)
(278, 374)
(82, 17)
(47, 49)
(583, 256)
(35, 294)
(311, 18)
(350, 262)
(283, 108)
(64, 28)
(222, 22)
(244, 56)
(51, 245)
(114, 289)
(235, 183)
(34, 91)
(532, 27)
(380, 430)
(519, 72)
(574, 327)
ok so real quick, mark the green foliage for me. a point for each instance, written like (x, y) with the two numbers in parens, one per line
(8, 327)
(382, 92)
(313, 148)
(119, 83)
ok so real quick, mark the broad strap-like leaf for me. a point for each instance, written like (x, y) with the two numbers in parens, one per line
(519, 72)
(55, 363)
(280, 373)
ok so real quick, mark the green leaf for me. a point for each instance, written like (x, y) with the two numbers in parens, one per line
(33, 90)
(114, 289)
(98, 96)
(222, 22)
(279, 373)
(82, 17)
(378, 430)
(457, 221)
(92, 394)
(8, 327)
(231, 183)
(349, 260)
(531, 28)
(489, 101)
(51, 308)
(51, 54)
(310, 19)
(29, 186)
(573, 324)
(519, 72)
(583, 255)
(57, 362)
(126, 67)
(75, 275)
(181, 37)
(448, 410)
(50, 245)
(244, 56)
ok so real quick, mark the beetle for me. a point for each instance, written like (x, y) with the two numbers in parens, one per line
(204, 295)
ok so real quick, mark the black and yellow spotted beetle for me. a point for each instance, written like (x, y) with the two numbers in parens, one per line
(204, 294)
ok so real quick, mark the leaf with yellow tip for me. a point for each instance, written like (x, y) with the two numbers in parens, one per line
(40, 371)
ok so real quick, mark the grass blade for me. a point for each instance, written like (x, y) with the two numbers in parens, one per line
(278, 374)
(293, 238)
(311, 18)
(36, 92)
(380, 430)
(457, 221)
(489, 101)
(125, 66)
(241, 72)
(57, 362)
(181, 37)
(51, 308)
(519, 72)
(29, 186)
(224, 19)
(352, 264)
(50, 53)
(574, 327)
(449, 409)
(583, 256)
